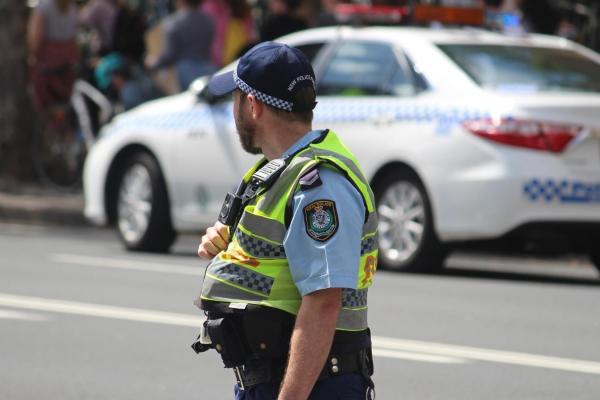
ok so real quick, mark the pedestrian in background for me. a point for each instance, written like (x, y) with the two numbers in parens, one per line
(281, 20)
(53, 56)
(234, 28)
(326, 16)
(294, 249)
(239, 34)
(129, 33)
(188, 35)
(100, 17)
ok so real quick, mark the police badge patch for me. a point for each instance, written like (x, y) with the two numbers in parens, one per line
(321, 219)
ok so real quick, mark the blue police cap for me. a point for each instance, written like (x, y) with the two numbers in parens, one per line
(273, 72)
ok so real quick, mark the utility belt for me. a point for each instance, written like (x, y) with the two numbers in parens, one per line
(255, 343)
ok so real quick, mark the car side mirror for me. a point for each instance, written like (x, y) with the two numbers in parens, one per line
(200, 88)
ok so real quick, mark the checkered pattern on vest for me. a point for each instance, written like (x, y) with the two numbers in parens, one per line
(244, 277)
(258, 248)
(368, 245)
(354, 298)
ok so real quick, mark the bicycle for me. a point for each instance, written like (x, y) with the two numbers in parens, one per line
(65, 133)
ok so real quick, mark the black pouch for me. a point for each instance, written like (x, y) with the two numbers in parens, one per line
(225, 336)
(265, 335)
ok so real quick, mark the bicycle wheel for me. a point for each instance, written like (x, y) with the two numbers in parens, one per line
(59, 149)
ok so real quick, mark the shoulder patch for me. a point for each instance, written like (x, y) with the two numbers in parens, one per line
(321, 219)
(310, 180)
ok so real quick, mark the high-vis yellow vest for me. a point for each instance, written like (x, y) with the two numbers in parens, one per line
(254, 268)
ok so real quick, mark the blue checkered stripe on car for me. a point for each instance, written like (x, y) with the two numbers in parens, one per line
(244, 277)
(328, 111)
(257, 247)
(563, 191)
(352, 298)
(265, 98)
(368, 245)
(198, 116)
(363, 109)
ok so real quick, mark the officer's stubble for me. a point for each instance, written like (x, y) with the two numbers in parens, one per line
(246, 128)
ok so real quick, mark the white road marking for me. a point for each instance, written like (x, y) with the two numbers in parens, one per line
(12, 314)
(116, 263)
(97, 310)
(403, 355)
(382, 346)
(497, 356)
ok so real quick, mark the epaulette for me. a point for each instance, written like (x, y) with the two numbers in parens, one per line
(310, 179)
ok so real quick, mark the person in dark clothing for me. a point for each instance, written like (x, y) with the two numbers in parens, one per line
(540, 16)
(129, 32)
(281, 20)
(188, 36)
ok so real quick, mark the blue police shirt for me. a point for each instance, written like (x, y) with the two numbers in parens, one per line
(332, 263)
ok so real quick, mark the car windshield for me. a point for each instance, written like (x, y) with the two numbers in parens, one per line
(520, 68)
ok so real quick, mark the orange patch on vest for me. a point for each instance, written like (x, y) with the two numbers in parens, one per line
(241, 257)
(369, 268)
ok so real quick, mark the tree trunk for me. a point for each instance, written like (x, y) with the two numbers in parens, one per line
(16, 113)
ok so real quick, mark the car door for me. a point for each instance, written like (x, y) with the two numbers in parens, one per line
(369, 94)
(208, 160)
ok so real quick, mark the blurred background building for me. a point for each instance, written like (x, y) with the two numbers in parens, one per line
(136, 50)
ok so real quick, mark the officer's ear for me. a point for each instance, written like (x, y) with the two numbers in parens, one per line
(256, 107)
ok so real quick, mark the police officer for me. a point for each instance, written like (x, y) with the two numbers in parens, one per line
(294, 251)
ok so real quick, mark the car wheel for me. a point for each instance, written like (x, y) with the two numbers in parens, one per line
(407, 241)
(143, 213)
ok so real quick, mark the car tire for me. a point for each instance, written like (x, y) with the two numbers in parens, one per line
(407, 240)
(143, 215)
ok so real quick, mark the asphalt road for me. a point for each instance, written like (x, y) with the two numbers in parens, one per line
(80, 318)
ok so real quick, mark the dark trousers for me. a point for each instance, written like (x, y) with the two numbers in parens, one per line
(346, 387)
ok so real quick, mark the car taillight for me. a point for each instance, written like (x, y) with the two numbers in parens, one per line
(546, 136)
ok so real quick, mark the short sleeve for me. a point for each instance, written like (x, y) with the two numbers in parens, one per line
(322, 243)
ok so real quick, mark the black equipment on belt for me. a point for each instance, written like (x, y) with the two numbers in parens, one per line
(255, 343)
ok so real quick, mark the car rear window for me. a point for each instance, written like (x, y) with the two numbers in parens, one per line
(522, 68)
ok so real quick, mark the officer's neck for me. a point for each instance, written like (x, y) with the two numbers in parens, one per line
(280, 136)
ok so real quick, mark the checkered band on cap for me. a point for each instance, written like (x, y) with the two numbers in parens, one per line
(265, 98)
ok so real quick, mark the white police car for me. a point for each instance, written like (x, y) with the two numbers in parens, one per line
(465, 135)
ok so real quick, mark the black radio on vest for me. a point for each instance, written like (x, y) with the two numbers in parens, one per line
(261, 179)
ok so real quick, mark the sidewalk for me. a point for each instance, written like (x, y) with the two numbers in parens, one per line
(29, 203)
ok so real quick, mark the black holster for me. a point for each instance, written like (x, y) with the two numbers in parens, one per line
(255, 343)
(258, 333)
(226, 339)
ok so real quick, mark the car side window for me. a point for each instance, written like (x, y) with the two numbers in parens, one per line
(310, 50)
(365, 68)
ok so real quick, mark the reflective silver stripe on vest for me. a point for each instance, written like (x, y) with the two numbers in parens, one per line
(214, 289)
(347, 162)
(352, 298)
(368, 245)
(371, 224)
(353, 320)
(265, 227)
(243, 277)
(283, 184)
(257, 247)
